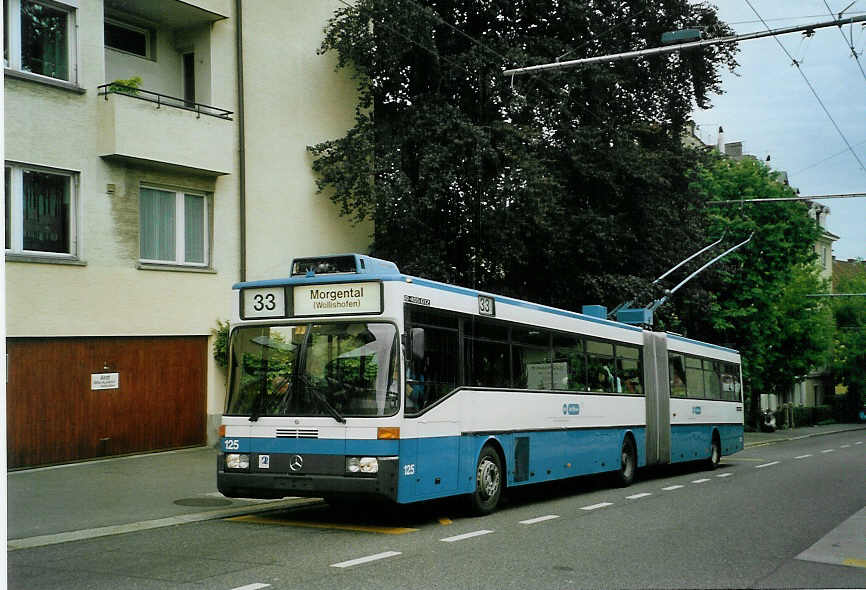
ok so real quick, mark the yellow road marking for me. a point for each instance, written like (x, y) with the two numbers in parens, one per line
(855, 562)
(445, 521)
(324, 525)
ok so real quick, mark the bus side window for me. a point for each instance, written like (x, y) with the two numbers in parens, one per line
(694, 377)
(677, 375)
(712, 377)
(602, 372)
(628, 369)
(436, 373)
(569, 363)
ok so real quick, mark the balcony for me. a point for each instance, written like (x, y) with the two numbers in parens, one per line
(154, 129)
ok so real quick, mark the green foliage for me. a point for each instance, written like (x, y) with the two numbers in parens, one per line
(849, 345)
(221, 344)
(760, 304)
(129, 86)
(564, 189)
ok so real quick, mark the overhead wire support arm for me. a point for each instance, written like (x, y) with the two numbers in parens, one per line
(679, 47)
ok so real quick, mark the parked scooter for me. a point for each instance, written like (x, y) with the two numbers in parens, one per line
(768, 421)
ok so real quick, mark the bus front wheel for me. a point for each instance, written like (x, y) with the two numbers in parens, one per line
(488, 482)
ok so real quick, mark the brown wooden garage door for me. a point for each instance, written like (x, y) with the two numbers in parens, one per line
(54, 415)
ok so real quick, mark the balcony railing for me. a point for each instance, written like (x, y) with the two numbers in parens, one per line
(161, 100)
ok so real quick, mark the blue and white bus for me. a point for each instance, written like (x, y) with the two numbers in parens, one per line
(348, 378)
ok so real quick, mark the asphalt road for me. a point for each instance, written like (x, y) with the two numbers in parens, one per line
(741, 526)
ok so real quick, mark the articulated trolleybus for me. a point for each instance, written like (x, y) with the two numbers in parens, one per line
(350, 379)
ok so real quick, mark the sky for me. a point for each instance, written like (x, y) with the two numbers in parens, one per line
(768, 106)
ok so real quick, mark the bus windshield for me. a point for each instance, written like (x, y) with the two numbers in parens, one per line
(334, 369)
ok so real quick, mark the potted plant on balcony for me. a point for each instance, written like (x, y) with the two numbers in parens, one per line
(129, 86)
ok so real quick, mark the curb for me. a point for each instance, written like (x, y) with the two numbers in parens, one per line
(145, 525)
(800, 437)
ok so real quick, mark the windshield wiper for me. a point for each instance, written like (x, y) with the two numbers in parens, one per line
(323, 401)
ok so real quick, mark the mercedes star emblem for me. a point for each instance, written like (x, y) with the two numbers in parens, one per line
(296, 463)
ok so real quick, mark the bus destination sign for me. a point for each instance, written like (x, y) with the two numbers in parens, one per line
(340, 299)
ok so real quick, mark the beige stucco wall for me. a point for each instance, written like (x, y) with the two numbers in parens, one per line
(294, 98)
(109, 295)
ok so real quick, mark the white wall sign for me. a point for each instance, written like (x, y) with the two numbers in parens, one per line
(344, 298)
(104, 381)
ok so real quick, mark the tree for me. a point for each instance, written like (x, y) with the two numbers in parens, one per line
(849, 343)
(758, 294)
(567, 189)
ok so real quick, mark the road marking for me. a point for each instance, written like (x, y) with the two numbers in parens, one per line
(669, 488)
(859, 442)
(636, 496)
(855, 562)
(766, 465)
(828, 450)
(465, 536)
(367, 559)
(724, 475)
(803, 457)
(701, 480)
(539, 519)
(384, 530)
(845, 447)
(844, 545)
(256, 586)
(597, 506)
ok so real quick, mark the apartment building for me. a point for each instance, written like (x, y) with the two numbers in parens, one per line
(148, 169)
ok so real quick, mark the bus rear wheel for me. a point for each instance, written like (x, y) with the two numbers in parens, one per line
(715, 454)
(488, 482)
(628, 464)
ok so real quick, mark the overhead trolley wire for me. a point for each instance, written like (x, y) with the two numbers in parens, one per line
(849, 44)
(812, 88)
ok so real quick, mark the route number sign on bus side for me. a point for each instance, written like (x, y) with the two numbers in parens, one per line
(486, 305)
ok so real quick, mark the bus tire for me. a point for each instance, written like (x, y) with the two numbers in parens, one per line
(488, 482)
(715, 453)
(627, 465)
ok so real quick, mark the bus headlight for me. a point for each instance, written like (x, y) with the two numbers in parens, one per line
(237, 461)
(362, 465)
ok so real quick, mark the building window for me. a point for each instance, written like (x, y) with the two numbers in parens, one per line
(40, 211)
(40, 38)
(174, 227)
(127, 38)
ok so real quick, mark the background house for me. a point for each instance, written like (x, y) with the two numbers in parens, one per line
(131, 211)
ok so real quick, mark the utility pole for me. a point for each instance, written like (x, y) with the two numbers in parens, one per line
(671, 48)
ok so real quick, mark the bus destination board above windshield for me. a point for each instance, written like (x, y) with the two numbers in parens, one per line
(340, 299)
(266, 302)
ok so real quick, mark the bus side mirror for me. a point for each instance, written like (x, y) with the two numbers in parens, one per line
(416, 341)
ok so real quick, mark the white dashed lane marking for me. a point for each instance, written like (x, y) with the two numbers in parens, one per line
(803, 457)
(636, 496)
(539, 519)
(367, 559)
(828, 450)
(766, 465)
(701, 480)
(465, 536)
(669, 488)
(256, 586)
(597, 506)
(724, 475)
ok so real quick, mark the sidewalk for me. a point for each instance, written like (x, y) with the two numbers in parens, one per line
(118, 495)
(753, 439)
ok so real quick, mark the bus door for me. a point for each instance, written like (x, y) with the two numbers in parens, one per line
(658, 415)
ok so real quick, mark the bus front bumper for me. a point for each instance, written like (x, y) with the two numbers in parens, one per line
(246, 484)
